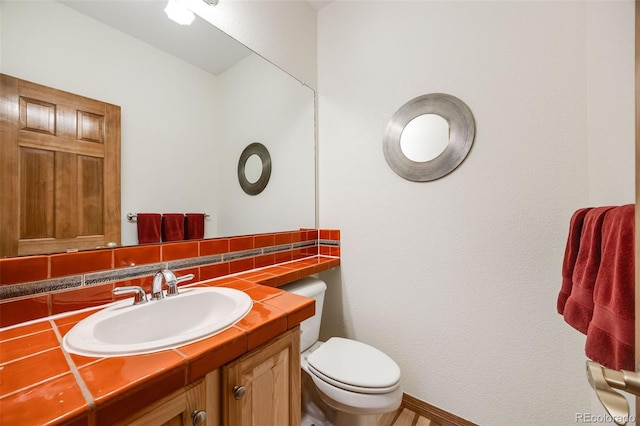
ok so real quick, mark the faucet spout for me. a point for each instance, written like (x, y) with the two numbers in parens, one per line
(156, 286)
(172, 283)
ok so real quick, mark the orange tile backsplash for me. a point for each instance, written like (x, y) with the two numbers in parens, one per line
(24, 269)
(216, 246)
(136, 255)
(241, 243)
(78, 263)
(33, 366)
(174, 251)
(29, 290)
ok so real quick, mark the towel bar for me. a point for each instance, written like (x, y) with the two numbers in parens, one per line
(131, 216)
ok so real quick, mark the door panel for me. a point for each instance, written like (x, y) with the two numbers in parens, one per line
(90, 195)
(36, 194)
(59, 169)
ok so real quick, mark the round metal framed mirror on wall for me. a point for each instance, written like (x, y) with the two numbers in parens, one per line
(429, 137)
(254, 168)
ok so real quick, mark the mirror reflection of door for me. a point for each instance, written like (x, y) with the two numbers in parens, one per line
(425, 137)
(59, 170)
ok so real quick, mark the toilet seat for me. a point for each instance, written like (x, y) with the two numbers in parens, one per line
(354, 366)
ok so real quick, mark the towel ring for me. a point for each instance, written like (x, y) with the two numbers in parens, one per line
(254, 188)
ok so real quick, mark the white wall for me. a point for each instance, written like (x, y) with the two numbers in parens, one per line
(457, 279)
(610, 82)
(262, 104)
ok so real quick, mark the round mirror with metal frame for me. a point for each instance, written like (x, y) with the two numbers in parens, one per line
(254, 187)
(461, 134)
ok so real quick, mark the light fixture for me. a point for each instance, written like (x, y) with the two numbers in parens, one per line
(178, 12)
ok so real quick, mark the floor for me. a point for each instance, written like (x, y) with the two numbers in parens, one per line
(405, 417)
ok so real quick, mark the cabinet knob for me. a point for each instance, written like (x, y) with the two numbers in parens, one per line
(239, 391)
(199, 417)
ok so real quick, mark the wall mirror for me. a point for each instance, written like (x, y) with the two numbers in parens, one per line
(192, 99)
(254, 168)
(428, 137)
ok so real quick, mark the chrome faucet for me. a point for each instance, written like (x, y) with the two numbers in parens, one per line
(172, 283)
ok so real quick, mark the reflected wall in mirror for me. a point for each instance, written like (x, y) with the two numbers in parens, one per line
(184, 124)
(428, 137)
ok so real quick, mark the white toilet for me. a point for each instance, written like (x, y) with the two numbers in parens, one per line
(344, 382)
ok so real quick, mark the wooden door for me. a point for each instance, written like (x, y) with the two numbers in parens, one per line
(270, 376)
(59, 170)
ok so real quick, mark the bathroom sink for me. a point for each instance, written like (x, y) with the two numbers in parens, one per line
(127, 329)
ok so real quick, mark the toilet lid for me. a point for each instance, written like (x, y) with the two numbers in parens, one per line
(351, 364)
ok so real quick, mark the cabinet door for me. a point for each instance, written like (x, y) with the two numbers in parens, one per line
(178, 408)
(263, 387)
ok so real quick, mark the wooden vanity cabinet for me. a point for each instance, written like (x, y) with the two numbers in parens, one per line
(262, 388)
(178, 408)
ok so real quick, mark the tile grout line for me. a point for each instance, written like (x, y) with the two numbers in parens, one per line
(74, 370)
(31, 385)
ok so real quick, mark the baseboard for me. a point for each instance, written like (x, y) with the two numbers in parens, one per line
(432, 412)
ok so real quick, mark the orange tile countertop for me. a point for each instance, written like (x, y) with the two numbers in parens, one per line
(40, 383)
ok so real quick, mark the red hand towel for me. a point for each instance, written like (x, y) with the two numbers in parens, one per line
(610, 338)
(578, 309)
(195, 226)
(172, 227)
(570, 256)
(149, 227)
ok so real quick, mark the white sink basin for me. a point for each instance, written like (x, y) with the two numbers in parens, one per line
(125, 329)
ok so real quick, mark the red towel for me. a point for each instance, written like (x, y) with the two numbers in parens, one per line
(570, 256)
(172, 227)
(195, 226)
(149, 225)
(578, 309)
(610, 338)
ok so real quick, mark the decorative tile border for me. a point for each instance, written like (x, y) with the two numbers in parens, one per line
(276, 249)
(241, 254)
(334, 243)
(121, 274)
(194, 262)
(37, 287)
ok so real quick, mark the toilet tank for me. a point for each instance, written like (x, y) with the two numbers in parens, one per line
(313, 288)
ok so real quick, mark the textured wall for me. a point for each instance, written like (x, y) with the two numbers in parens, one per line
(457, 279)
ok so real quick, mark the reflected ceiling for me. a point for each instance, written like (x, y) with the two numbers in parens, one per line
(146, 21)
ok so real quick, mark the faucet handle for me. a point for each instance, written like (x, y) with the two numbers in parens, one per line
(139, 295)
(172, 284)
